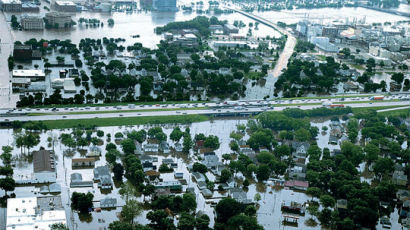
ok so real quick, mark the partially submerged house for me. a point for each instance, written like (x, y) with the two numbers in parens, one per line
(102, 175)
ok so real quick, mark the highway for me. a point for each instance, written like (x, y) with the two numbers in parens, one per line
(242, 109)
(193, 105)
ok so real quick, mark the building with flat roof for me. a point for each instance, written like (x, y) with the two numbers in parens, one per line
(34, 213)
(22, 52)
(65, 6)
(69, 85)
(32, 74)
(165, 5)
(31, 22)
(11, 5)
(230, 29)
(57, 20)
(20, 84)
(44, 166)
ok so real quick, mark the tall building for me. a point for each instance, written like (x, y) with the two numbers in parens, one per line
(32, 22)
(165, 5)
(57, 20)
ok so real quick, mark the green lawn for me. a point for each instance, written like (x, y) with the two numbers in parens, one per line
(118, 121)
(116, 111)
(356, 66)
(404, 112)
(117, 104)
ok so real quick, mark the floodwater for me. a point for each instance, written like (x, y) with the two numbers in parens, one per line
(269, 205)
(269, 212)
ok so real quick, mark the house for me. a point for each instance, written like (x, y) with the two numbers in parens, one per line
(108, 202)
(293, 207)
(201, 185)
(300, 149)
(83, 162)
(403, 195)
(77, 181)
(138, 148)
(198, 176)
(297, 185)
(94, 151)
(69, 86)
(341, 205)
(178, 174)
(178, 147)
(164, 146)
(239, 195)
(103, 176)
(44, 166)
(298, 173)
(152, 148)
(168, 161)
(206, 193)
(211, 161)
(350, 86)
(230, 183)
(399, 178)
(54, 188)
(148, 166)
(246, 149)
(171, 185)
(152, 174)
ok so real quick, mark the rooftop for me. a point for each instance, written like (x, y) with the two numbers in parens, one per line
(43, 160)
(28, 72)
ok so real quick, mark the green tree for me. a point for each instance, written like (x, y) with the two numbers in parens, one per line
(58, 226)
(160, 220)
(128, 146)
(212, 142)
(82, 202)
(302, 135)
(120, 225)
(130, 210)
(176, 134)
(327, 201)
(186, 222)
(226, 174)
(118, 171)
(227, 208)
(263, 172)
(372, 152)
(198, 167)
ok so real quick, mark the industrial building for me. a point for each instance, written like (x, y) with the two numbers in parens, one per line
(11, 5)
(58, 20)
(32, 74)
(31, 22)
(165, 5)
(34, 213)
(65, 6)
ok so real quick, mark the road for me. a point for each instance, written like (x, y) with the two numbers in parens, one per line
(7, 100)
(205, 111)
(281, 64)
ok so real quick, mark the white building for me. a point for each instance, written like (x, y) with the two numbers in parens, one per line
(32, 74)
(30, 213)
(32, 22)
(69, 86)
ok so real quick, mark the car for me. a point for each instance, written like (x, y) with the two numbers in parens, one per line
(54, 109)
(184, 113)
(121, 115)
(64, 116)
(178, 112)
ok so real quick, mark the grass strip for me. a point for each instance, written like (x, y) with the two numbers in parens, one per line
(119, 121)
(115, 111)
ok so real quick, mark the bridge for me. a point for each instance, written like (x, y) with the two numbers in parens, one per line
(261, 20)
